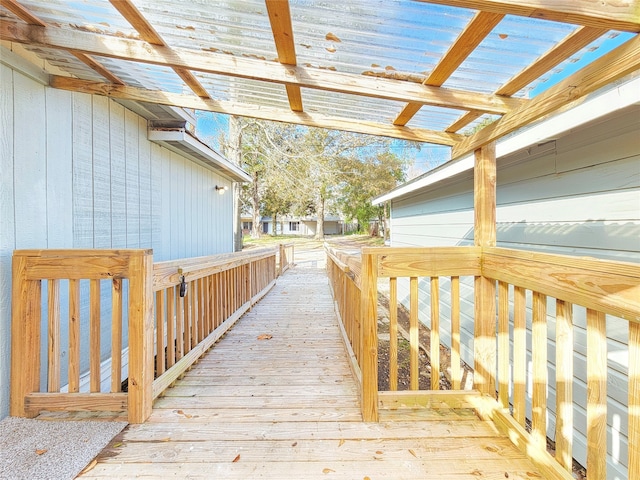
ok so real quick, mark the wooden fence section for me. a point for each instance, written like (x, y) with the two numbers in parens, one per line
(285, 258)
(344, 279)
(197, 300)
(30, 269)
(602, 287)
(173, 311)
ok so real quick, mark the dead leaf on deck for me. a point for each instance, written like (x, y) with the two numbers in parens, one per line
(294, 444)
(235, 460)
(41, 451)
(327, 470)
(413, 453)
(534, 475)
(117, 444)
(265, 336)
(341, 442)
(366, 478)
(379, 452)
(89, 467)
(166, 439)
(476, 473)
(186, 415)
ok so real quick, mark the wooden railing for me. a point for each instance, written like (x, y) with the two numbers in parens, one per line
(285, 257)
(197, 300)
(344, 279)
(500, 370)
(174, 312)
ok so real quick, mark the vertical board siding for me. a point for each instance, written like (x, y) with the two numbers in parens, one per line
(132, 179)
(77, 171)
(7, 232)
(581, 199)
(118, 177)
(82, 144)
(101, 173)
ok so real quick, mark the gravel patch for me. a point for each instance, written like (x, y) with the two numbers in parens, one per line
(48, 449)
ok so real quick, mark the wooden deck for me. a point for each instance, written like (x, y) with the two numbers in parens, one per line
(287, 408)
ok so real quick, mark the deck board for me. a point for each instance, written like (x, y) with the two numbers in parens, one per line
(288, 408)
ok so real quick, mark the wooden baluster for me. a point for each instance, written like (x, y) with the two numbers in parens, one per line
(53, 370)
(414, 367)
(194, 314)
(539, 361)
(456, 376)
(519, 354)
(596, 395)
(187, 319)
(503, 344)
(180, 327)
(393, 334)
(116, 335)
(160, 322)
(564, 384)
(94, 335)
(435, 333)
(74, 336)
(171, 326)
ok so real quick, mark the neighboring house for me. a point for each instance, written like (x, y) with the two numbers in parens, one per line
(304, 226)
(568, 185)
(83, 171)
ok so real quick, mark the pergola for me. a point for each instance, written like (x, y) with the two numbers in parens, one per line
(418, 71)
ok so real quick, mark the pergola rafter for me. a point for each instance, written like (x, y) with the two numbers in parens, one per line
(129, 11)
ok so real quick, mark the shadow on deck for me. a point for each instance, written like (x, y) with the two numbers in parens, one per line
(275, 398)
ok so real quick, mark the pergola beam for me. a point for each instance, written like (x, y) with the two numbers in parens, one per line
(280, 19)
(477, 29)
(610, 67)
(607, 14)
(218, 63)
(253, 111)
(129, 11)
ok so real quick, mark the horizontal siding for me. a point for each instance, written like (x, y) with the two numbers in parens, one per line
(79, 172)
(581, 198)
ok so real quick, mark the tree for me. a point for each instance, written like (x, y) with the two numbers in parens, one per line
(365, 179)
(311, 171)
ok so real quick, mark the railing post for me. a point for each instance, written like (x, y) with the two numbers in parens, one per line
(140, 336)
(369, 309)
(283, 257)
(484, 377)
(25, 337)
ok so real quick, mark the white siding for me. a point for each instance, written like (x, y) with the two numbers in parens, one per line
(581, 198)
(77, 171)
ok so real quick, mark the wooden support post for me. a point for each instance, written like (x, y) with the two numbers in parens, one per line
(485, 289)
(140, 336)
(25, 337)
(369, 308)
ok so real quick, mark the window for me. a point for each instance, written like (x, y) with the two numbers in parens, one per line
(294, 226)
(247, 225)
